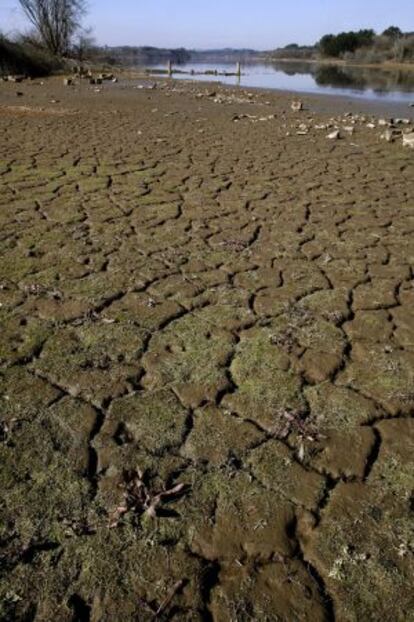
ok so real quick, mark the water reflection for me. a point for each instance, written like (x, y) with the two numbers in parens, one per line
(369, 82)
(360, 78)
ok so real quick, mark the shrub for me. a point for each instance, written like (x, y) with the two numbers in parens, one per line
(25, 58)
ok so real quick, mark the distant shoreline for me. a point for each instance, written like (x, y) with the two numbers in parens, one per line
(340, 63)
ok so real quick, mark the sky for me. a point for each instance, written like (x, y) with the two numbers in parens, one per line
(204, 24)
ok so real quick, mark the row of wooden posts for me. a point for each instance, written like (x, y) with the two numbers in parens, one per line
(170, 68)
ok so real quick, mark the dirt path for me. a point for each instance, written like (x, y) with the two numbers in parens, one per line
(206, 360)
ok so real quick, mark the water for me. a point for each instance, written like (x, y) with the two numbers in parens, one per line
(393, 85)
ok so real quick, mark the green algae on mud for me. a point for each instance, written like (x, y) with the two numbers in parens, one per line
(226, 311)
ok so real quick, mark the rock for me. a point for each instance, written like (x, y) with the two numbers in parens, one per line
(296, 106)
(349, 128)
(16, 79)
(408, 140)
(105, 76)
(383, 122)
(371, 126)
(19, 94)
(402, 121)
(336, 135)
(388, 135)
(67, 81)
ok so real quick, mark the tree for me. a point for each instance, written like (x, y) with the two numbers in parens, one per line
(56, 21)
(84, 45)
(393, 32)
(336, 45)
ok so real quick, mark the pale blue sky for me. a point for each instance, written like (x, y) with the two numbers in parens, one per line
(260, 24)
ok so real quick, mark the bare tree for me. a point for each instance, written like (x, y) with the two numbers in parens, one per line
(56, 21)
(84, 45)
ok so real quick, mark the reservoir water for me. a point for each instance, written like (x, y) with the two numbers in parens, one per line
(386, 84)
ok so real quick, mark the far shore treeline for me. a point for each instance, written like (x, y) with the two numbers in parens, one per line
(363, 46)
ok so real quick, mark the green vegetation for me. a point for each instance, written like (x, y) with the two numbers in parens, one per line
(25, 58)
(57, 35)
(364, 46)
(336, 45)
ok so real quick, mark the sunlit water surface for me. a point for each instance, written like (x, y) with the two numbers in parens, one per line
(371, 83)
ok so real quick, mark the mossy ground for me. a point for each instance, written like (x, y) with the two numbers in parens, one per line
(206, 360)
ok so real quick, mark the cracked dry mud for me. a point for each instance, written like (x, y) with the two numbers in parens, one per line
(189, 300)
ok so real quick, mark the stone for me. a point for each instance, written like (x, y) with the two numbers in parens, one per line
(389, 135)
(408, 140)
(296, 106)
(16, 79)
(334, 135)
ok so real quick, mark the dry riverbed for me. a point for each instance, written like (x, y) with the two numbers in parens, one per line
(206, 357)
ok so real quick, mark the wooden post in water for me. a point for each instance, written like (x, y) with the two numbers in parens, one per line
(169, 68)
(238, 69)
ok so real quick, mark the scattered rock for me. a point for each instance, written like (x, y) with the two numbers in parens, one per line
(16, 78)
(67, 81)
(296, 106)
(408, 140)
(389, 135)
(336, 135)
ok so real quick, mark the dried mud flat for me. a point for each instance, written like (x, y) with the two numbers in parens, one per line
(207, 360)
